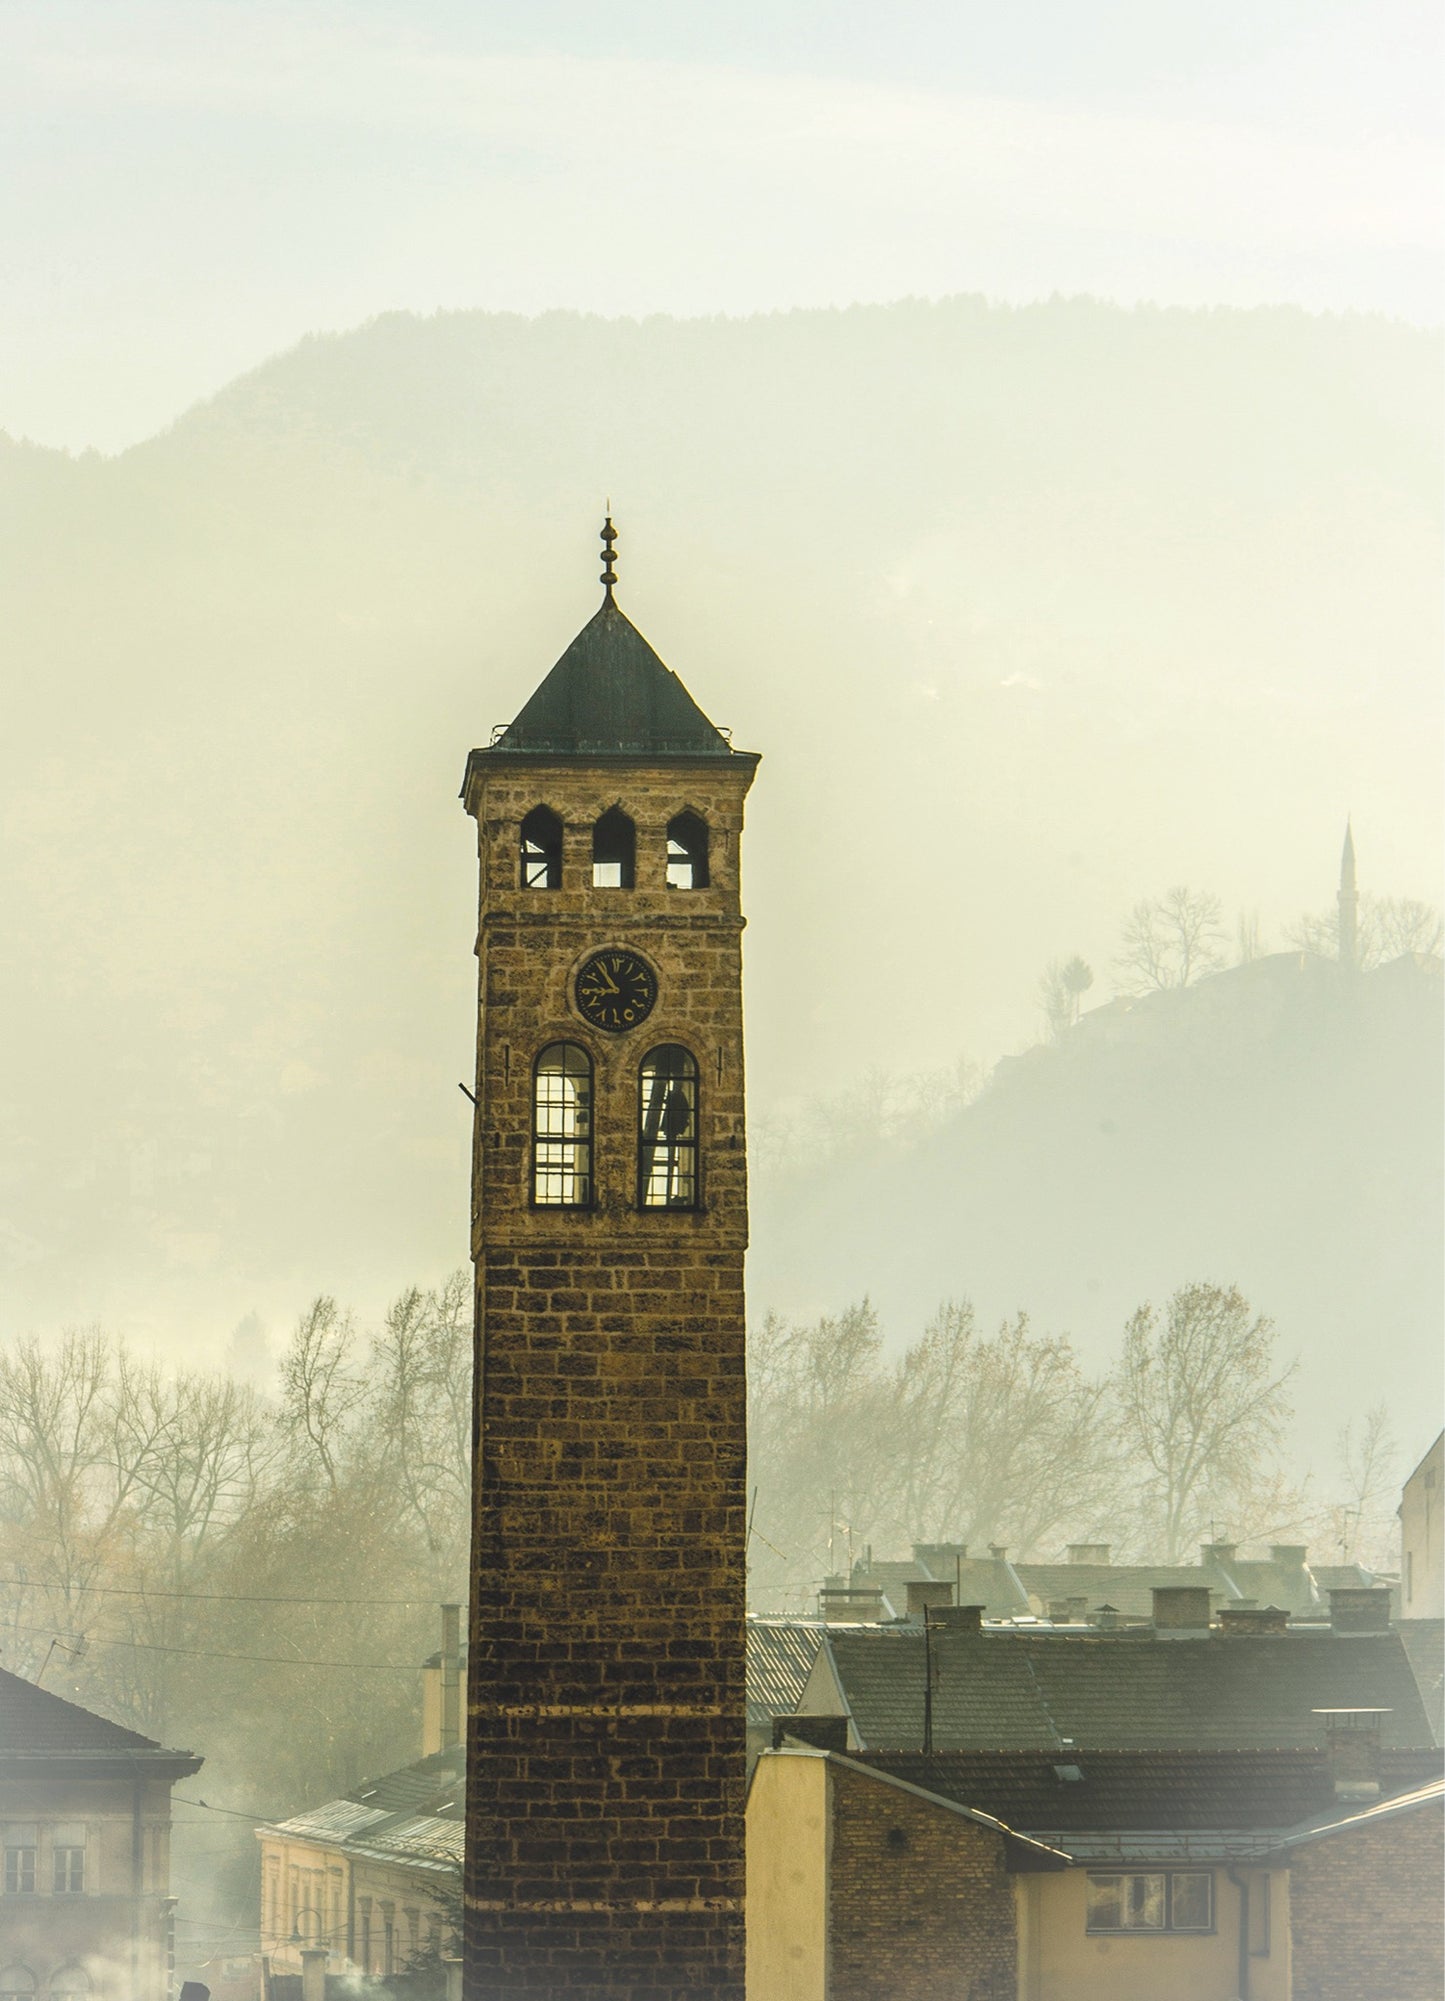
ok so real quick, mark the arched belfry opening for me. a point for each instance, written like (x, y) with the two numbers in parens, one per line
(614, 851)
(687, 852)
(542, 849)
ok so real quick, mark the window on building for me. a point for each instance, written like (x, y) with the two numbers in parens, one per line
(17, 1983)
(562, 1128)
(687, 852)
(22, 1838)
(1153, 1901)
(67, 1852)
(667, 1136)
(614, 851)
(541, 849)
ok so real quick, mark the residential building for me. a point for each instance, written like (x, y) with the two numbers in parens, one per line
(1180, 1683)
(1070, 1875)
(1422, 1573)
(85, 1808)
(373, 1877)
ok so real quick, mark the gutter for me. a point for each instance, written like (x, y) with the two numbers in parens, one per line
(1241, 1883)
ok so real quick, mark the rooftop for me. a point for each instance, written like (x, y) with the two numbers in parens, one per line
(35, 1723)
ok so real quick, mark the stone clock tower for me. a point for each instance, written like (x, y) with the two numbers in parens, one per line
(609, 1221)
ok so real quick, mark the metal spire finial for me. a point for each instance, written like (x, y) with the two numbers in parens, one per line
(609, 553)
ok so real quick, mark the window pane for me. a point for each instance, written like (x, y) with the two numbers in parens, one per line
(1106, 1906)
(667, 1137)
(1144, 1903)
(562, 1128)
(1189, 1903)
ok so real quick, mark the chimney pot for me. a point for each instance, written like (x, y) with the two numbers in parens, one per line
(1217, 1552)
(1252, 1619)
(1181, 1608)
(998, 1551)
(1288, 1555)
(956, 1618)
(1360, 1608)
(923, 1592)
(840, 1604)
(824, 1733)
(940, 1559)
(1089, 1552)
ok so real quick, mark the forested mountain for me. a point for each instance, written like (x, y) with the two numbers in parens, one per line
(1030, 610)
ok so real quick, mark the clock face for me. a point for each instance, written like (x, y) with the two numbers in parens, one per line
(615, 990)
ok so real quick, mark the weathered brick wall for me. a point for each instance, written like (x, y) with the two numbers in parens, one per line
(921, 1905)
(1366, 1911)
(607, 1749)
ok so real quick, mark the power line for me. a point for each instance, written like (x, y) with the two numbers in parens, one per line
(208, 1597)
(208, 1654)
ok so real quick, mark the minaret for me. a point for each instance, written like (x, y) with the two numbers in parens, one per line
(1349, 903)
(606, 1740)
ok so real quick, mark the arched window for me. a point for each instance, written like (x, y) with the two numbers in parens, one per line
(562, 1128)
(614, 851)
(667, 1129)
(17, 1983)
(687, 852)
(541, 849)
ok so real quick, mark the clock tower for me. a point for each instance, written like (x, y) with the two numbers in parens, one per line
(605, 1763)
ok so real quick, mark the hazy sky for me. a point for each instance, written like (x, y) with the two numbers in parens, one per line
(193, 184)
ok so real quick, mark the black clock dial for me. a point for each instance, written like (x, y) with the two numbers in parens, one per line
(615, 990)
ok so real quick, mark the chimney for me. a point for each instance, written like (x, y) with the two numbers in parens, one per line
(1360, 1608)
(1106, 1617)
(824, 1733)
(441, 1688)
(841, 1604)
(1288, 1555)
(1069, 1611)
(1217, 1552)
(924, 1592)
(1089, 1552)
(998, 1551)
(1235, 1620)
(1352, 1744)
(1181, 1608)
(956, 1618)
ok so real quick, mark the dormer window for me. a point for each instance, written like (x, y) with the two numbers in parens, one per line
(541, 849)
(614, 851)
(687, 852)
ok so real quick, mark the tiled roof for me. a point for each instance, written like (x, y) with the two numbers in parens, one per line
(415, 1815)
(34, 1722)
(780, 1654)
(1424, 1641)
(1016, 1690)
(1142, 1789)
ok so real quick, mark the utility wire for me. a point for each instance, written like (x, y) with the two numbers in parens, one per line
(210, 1597)
(208, 1654)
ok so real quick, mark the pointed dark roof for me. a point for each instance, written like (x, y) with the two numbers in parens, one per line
(36, 1724)
(609, 694)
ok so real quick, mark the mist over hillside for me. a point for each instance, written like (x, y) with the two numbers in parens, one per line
(1031, 611)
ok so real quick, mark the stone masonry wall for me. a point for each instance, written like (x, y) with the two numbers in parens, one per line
(606, 1732)
(1366, 1911)
(921, 1904)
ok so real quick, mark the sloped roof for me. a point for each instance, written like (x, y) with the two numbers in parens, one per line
(415, 1815)
(1143, 1789)
(33, 1723)
(610, 694)
(1015, 1690)
(1424, 1643)
(1339, 1820)
(780, 1655)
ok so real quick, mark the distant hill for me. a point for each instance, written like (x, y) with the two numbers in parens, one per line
(1276, 1125)
(1032, 611)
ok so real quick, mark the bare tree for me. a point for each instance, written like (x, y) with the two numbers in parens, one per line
(1170, 940)
(1387, 928)
(1360, 1521)
(1202, 1409)
(319, 1389)
(995, 1440)
(1062, 987)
